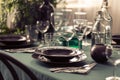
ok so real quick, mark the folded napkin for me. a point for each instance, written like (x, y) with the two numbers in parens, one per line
(82, 69)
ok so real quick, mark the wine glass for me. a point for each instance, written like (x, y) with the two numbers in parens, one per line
(67, 33)
(57, 20)
(88, 31)
(66, 29)
(43, 26)
(80, 32)
(79, 17)
(80, 20)
(67, 17)
(115, 61)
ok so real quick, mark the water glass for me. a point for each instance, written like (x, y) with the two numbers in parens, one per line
(31, 32)
(115, 61)
(48, 39)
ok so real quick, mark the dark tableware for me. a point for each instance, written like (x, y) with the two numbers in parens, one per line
(59, 54)
(12, 39)
(116, 38)
(77, 59)
(100, 53)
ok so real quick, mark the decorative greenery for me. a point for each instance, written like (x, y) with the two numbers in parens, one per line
(26, 13)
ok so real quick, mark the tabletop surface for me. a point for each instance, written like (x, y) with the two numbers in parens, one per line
(99, 72)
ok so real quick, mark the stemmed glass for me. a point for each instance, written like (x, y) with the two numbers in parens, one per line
(43, 26)
(115, 62)
(80, 32)
(80, 22)
(57, 24)
(88, 31)
(57, 20)
(67, 33)
(67, 30)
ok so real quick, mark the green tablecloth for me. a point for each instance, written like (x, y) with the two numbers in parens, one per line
(99, 72)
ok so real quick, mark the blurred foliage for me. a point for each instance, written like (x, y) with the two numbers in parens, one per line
(27, 13)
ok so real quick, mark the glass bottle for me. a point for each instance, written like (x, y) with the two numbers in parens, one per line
(98, 31)
(46, 13)
(107, 21)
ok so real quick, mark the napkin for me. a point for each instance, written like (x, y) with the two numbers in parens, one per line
(82, 69)
(21, 50)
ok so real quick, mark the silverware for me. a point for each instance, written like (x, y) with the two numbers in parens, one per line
(82, 69)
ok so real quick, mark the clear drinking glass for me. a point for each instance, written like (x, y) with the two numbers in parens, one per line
(79, 32)
(115, 61)
(66, 29)
(31, 33)
(57, 20)
(88, 31)
(48, 39)
(43, 26)
(80, 20)
(67, 33)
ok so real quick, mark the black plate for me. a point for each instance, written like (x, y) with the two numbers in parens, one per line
(58, 53)
(77, 59)
(116, 38)
(12, 39)
(23, 45)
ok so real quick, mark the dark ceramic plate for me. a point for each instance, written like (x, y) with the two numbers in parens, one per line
(23, 45)
(43, 59)
(12, 39)
(116, 38)
(58, 53)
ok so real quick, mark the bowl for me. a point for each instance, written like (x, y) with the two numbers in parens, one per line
(116, 38)
(59, 54)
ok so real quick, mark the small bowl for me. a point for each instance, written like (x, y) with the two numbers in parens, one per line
(116, 38)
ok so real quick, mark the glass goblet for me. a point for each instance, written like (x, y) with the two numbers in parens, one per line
(67, 33)
(79, 34)
(57, 20)
(88, 31)
(43, 26)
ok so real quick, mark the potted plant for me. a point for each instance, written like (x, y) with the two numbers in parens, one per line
(15, 14)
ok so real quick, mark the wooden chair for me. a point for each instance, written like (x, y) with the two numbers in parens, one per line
(7, 60)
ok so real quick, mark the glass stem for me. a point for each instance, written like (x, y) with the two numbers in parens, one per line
(80, 44)
(114, 71)
(42, 39)
(85, 39)
(68, 43)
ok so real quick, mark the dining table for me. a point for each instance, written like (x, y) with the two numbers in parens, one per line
(42, 70)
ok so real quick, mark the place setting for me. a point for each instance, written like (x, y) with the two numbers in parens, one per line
(20, 43)
(63, 59)
(59, 55)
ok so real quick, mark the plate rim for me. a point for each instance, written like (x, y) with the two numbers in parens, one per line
(74, 53)
(37, 56)
(22, 38)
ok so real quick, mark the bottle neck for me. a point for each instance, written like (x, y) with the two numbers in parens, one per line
(104, 4)
(46, 2)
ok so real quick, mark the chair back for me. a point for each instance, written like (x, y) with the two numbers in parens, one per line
(9, 62)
